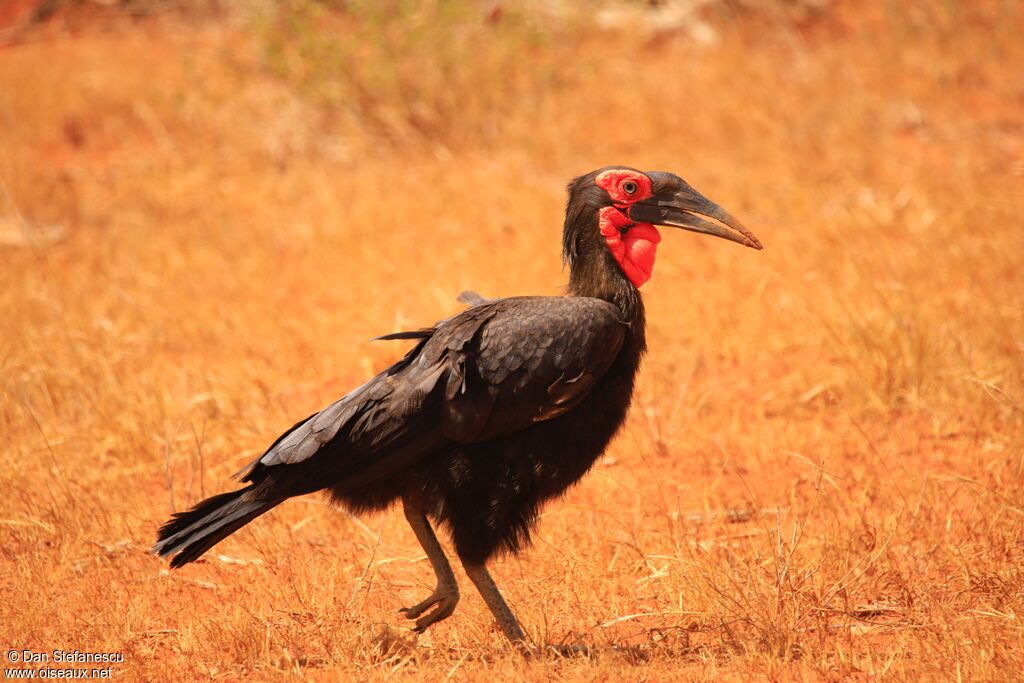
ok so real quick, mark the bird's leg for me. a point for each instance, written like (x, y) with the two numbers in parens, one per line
(481, 578)
(446, 594)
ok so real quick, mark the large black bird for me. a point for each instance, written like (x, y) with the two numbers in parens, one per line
(494, 411)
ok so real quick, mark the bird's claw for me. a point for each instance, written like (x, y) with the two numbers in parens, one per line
(445, 600)
(421, 607)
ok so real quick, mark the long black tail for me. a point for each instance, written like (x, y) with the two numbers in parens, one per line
(187, 535)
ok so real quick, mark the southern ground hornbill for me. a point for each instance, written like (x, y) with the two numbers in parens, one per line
(494, 411)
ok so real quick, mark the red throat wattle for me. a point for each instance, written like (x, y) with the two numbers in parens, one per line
(632, 244)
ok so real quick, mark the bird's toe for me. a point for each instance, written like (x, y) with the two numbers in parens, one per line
(445, 606)
(420, 607)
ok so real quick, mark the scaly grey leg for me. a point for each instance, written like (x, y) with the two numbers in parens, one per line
(481, 578)
(446, 594)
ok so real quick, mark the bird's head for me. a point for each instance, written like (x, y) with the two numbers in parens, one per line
(613, 212)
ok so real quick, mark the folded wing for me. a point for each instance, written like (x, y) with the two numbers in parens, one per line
(494, 369)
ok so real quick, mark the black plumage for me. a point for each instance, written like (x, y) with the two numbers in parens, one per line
(494, 410)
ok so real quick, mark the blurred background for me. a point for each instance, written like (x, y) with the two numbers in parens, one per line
(208, 207)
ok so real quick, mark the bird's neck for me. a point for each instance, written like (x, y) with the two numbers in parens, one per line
(594, 272)
(604, 281)
(613, 288)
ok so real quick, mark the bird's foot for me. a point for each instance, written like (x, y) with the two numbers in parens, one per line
(445, 600)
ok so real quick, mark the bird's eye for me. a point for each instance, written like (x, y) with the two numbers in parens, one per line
(629, 187)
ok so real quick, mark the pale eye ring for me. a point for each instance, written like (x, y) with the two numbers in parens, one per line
(629, 187)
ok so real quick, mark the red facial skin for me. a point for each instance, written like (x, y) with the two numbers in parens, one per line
(613, 180)
(633, 245)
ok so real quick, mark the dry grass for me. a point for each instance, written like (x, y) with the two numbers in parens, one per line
(203, 220)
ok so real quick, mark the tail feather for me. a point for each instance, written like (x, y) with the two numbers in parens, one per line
(187, 535)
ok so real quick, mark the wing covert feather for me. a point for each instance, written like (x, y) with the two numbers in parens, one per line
(534, 358)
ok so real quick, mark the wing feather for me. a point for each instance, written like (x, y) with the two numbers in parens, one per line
(534, 358)
(495, 368)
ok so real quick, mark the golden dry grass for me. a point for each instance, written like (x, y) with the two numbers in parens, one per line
(206, 217)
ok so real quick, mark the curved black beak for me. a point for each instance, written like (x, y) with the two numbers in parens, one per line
(682, 207)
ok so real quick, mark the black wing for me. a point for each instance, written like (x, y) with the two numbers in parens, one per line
(495, 368)
(532, 359)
